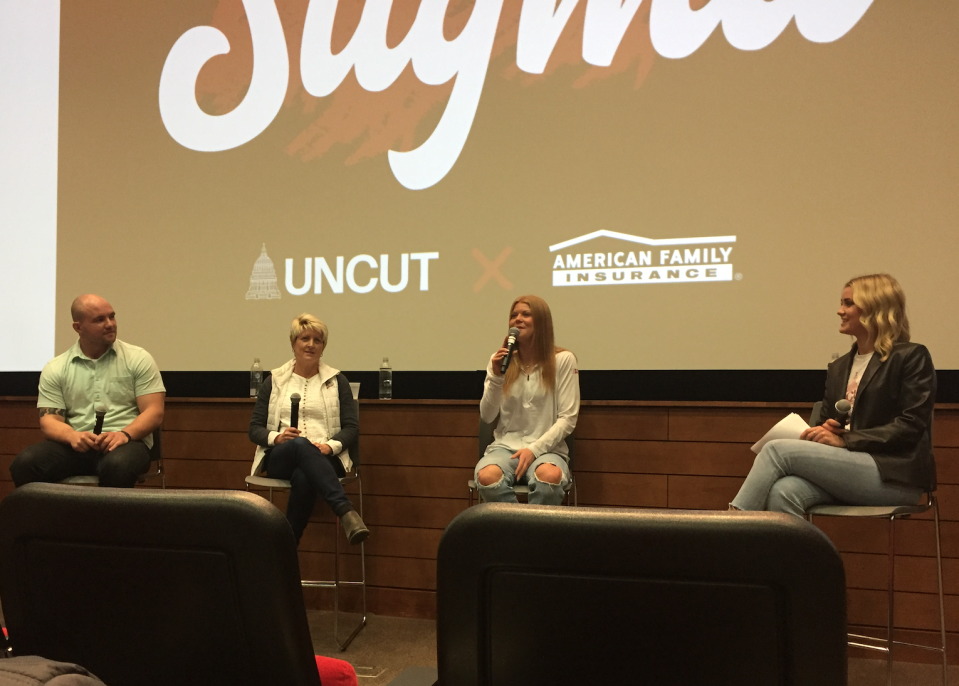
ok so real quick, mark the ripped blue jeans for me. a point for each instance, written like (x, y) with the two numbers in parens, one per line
(540, 492)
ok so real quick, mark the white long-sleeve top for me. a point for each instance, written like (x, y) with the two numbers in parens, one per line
(532, 416)
(313, 420)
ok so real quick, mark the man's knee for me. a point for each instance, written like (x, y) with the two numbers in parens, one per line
(29, 465)
(549, 474)
(21, 469)
(489, 475)
(122, 467)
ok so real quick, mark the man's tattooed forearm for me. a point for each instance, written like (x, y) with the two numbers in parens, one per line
(52, 410)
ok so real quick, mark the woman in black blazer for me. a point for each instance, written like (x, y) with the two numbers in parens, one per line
(883, 454)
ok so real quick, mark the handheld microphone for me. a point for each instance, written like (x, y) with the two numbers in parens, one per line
(295, 410)
(843, 407)
(98, 426)
(511, 337)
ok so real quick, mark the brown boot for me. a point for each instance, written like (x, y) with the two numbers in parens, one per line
(355, 529)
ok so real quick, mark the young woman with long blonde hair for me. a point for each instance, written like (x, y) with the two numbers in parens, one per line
(536, 403)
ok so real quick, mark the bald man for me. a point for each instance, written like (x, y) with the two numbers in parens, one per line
(99, 371)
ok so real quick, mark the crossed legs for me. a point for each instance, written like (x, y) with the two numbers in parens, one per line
(311, 474)
(792, 476)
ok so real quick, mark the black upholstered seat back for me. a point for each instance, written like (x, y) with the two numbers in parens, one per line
(553, 596)
(155, 587)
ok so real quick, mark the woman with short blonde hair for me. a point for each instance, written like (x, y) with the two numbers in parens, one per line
(536, 403)
(313, 452)
(308, 321)
(879, 452)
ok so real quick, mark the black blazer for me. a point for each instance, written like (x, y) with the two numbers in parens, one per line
(892, 416)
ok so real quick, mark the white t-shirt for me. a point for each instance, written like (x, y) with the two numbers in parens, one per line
(859, 364)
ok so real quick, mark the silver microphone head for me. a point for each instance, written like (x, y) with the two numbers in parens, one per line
(101, 410)
(843, 406)
(295, 397)
(513, 333)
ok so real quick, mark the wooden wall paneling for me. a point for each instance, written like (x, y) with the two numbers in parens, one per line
(724, 425)
(208, 417)
(663, 457)
(430, 513)
(918, 575)
(19, 414)
(395, 419)
(423, 482)
(945, 429)
(419, 451)
(912, 574)
(5, 462)
(702, 492)
(622, 423)
(947, 465)
(861, 535)
(913, 610)
(198, 445)
(950, 539)
(213, 474)
(13, 440)
(948, 495)
(621, 490)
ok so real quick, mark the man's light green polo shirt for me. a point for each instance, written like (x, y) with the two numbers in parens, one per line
(77, 384)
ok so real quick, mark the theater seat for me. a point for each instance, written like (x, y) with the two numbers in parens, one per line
(557, 595)
(155, 587)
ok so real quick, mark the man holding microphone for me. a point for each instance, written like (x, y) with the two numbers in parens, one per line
(99, 403)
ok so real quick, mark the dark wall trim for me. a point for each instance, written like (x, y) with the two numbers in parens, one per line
(751, 385)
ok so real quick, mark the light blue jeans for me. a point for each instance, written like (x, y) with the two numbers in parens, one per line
(540, 492)
(792, 476)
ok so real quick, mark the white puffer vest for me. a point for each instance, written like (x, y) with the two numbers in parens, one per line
(331, 397)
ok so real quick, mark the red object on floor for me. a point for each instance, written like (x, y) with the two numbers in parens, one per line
(335, 672)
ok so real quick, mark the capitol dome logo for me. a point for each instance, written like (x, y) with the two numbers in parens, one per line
(263, 279)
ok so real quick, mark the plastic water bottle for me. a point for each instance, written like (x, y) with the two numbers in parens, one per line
(256, 377)
(386, 380)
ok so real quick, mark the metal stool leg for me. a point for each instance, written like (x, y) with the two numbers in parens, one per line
(942, 607)
(892, 588)
(337, 583)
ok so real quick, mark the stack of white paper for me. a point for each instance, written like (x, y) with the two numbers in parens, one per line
(790, 426)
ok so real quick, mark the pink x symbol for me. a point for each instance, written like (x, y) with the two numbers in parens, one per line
(491, 269)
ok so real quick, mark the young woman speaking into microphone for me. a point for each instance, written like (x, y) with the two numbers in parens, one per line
(536, 402)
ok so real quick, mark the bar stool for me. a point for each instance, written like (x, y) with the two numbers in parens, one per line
(336, 583)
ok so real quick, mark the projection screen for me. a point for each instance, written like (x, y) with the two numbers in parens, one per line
(688, 184)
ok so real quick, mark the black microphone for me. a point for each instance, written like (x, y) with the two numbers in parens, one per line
(98, 426)
(511, 337)
(294, 410)
(843, 407)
